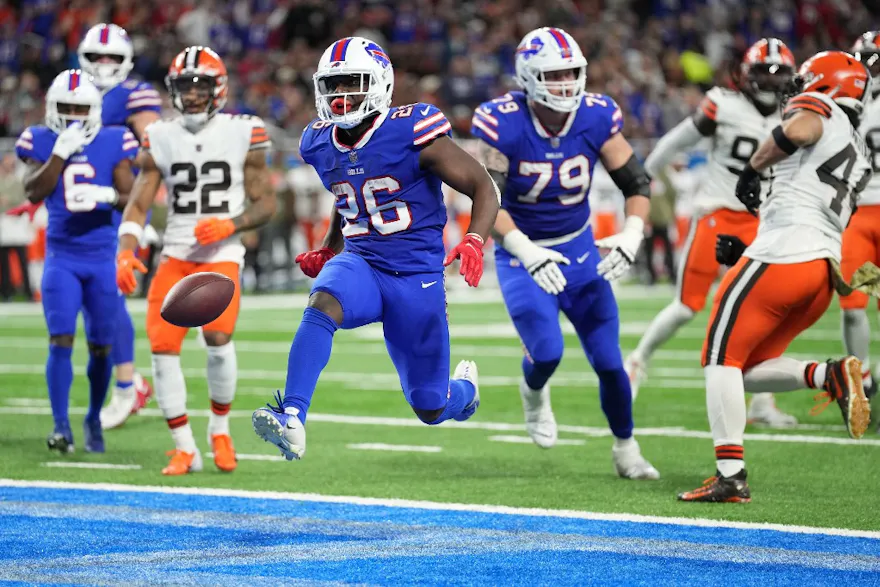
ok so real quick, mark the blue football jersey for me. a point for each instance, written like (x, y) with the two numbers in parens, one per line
(129, 98)
(81, 218)
(121, 103)
(549, 176)
(392, 211)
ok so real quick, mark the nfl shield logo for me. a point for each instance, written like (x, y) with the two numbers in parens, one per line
(198, 148)
(353, 156)
(554, 142)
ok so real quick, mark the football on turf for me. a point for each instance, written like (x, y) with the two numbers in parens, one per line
(197, 299)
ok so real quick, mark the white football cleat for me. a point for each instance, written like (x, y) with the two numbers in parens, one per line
(629, 462)
(763, 412)
(540, 421)
(282, 428)
(122, 404)
(467, 370)
(637, 371)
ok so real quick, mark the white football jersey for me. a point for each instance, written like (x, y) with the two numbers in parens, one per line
(870, 129)
(204, 174)
(813, 192)
(740, 129)
(313, 202)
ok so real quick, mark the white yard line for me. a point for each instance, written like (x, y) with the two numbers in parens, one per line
(393, 447)
(526, 440)
(429, 505)
(594, 431)
(79, 465)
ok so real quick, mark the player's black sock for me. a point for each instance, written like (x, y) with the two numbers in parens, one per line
(59, 376)
(99, 371)
(615, 395)
(309, 354)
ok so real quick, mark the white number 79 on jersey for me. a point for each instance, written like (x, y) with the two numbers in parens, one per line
(574, 174)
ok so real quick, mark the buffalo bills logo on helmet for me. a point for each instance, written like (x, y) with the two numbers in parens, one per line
(530, 48)
(378, 53)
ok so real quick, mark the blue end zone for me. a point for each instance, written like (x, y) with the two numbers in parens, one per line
(96, 536)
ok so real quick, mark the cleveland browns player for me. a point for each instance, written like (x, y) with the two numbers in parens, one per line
(214, 166)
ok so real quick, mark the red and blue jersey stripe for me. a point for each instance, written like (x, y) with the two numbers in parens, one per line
(73, 82)
(339, 49)
(564, 45)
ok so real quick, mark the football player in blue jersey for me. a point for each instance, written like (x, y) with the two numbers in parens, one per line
(542, 145)
(106, 53)
(82, 170)
(382, 259)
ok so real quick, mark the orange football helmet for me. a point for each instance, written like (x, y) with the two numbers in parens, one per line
(197, 81)
(867, 50)
(840, 76)
(767, 71)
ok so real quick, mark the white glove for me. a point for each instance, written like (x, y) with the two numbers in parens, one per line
(624, 246)
(69, 141)
(541, 263)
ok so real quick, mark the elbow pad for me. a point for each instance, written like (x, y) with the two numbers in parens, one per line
(783, 142)
(632, 179)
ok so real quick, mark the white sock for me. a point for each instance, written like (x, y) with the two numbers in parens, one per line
(856, 333)
(774, 375)
(183, 438)
(624, 442)
(170, 388)
(662, 327)
(222, 374)
(726, 404)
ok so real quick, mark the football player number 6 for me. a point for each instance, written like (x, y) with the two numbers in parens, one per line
(387, 218)
(79, 196)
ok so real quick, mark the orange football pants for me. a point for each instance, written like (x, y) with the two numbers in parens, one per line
(166, 338)
(698, 268)
(861, 243)
(761, 307)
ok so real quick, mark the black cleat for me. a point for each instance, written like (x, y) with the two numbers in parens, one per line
(719, 489)
(843, 383)
(61, 439)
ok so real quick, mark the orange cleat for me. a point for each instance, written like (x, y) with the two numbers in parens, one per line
(182, 462)
(224, 452)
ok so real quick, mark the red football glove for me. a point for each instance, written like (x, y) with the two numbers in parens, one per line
(312, 262)
(213, 230)
(470, 251)
(26, 208)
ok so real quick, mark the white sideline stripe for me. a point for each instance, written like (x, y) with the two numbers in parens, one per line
(673, 432)
(394, 447)
(247, 457)
(75, 465)
(430, 505)
(526, 440)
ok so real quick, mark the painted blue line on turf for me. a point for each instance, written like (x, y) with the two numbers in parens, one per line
(74, 535)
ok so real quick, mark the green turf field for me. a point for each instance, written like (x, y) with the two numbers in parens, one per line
(813, 475)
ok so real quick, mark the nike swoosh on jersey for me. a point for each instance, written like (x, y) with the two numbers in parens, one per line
(427, 285)
(583, 257)
(426, 110)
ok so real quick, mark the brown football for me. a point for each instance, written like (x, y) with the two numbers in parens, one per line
(197, 299)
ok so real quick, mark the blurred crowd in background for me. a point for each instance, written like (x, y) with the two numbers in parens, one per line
(654, 57)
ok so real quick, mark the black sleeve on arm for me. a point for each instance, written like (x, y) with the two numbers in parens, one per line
(705, 125)
(631, 178)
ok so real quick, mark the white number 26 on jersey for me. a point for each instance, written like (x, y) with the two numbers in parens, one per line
(388, 218)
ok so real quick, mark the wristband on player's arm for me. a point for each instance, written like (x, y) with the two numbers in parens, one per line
(516, 242)
(783, 142)
(132, 228)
